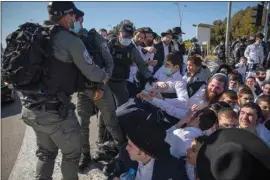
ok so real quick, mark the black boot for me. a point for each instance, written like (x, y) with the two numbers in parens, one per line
(84, 161)
(106, 152)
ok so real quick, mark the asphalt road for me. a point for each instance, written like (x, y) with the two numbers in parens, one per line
(12, 133)
(18, 158)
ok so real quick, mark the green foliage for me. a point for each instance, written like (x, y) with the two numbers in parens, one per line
(241, 24)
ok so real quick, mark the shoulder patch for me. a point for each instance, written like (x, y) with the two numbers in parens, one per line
(87, 57)
(105, 47)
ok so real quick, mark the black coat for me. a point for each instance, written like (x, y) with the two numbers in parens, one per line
(159, 55)
(170, 169)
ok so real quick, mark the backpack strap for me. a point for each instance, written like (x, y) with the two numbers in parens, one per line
(192, 88)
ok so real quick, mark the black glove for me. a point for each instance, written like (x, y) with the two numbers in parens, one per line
(151, 80)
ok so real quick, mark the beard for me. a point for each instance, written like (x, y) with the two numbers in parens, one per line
(261, 78)
(212, 96)
(149, 42)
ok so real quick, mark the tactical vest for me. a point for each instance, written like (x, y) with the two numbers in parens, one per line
(122, 57)
(62, 76)
(92, 48)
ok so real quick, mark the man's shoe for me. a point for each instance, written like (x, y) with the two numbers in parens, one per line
(103, 155)
(84, 161)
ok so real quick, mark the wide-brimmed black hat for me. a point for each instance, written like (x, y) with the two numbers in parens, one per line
(177, 30)
(169, 31)
(233, 154)
(148, 136)
(61, 8)
(147, 30)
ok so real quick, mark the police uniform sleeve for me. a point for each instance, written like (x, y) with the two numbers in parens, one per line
(106, 54)
(142, 66)
(81, 58)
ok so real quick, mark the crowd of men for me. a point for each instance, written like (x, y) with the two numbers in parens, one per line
(158, 117)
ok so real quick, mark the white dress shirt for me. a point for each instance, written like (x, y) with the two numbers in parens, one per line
(254, 54)
(179, 107)
(162, 76)
(181, 139)
(145, 172)
(132, 74)
(260, 82)
(263, 133)
(180, 101)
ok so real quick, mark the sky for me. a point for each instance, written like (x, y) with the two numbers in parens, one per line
(160, 16)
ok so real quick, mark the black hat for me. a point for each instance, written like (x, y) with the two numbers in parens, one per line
(127, 28)
(148, 30)
(61, 8)
(260, 35)
(233, 154)
(177, 30)
(167, 32)
(149, 136)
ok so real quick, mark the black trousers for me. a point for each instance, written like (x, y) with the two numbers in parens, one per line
(144, 109)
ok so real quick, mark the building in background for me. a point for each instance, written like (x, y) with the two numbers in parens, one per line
(203, 34)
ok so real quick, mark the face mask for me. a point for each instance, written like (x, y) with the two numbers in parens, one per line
(180, 38)
(125, 42)
(234, 89)
(167, 71)
(76, 27)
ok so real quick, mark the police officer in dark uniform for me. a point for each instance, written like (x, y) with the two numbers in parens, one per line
(100, 95)
(195, 49)
(124, 53)
(52, 116)
(220, 51)
(240, 49)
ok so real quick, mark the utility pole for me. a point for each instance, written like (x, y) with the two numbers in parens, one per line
(266, 20)
(228, 28)
(179, 12)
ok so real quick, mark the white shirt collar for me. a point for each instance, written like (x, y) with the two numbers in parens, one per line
(145, 172)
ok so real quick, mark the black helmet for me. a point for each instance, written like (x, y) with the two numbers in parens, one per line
(127, 28)
(194, 40)
(61, 8)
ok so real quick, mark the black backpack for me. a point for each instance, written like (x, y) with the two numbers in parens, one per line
(93, 48)
(26, 56)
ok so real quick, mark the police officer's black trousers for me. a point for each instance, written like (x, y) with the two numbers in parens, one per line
(120, 91)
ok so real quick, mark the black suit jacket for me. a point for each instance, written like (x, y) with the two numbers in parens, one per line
(159, 55)
(170, 169)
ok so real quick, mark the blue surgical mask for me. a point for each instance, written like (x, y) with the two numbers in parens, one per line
(179, 38)
(77, 27)
(167, 71)
(234, 89)
(125, 42)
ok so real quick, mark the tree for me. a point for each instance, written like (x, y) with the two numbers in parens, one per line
(241, 24)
